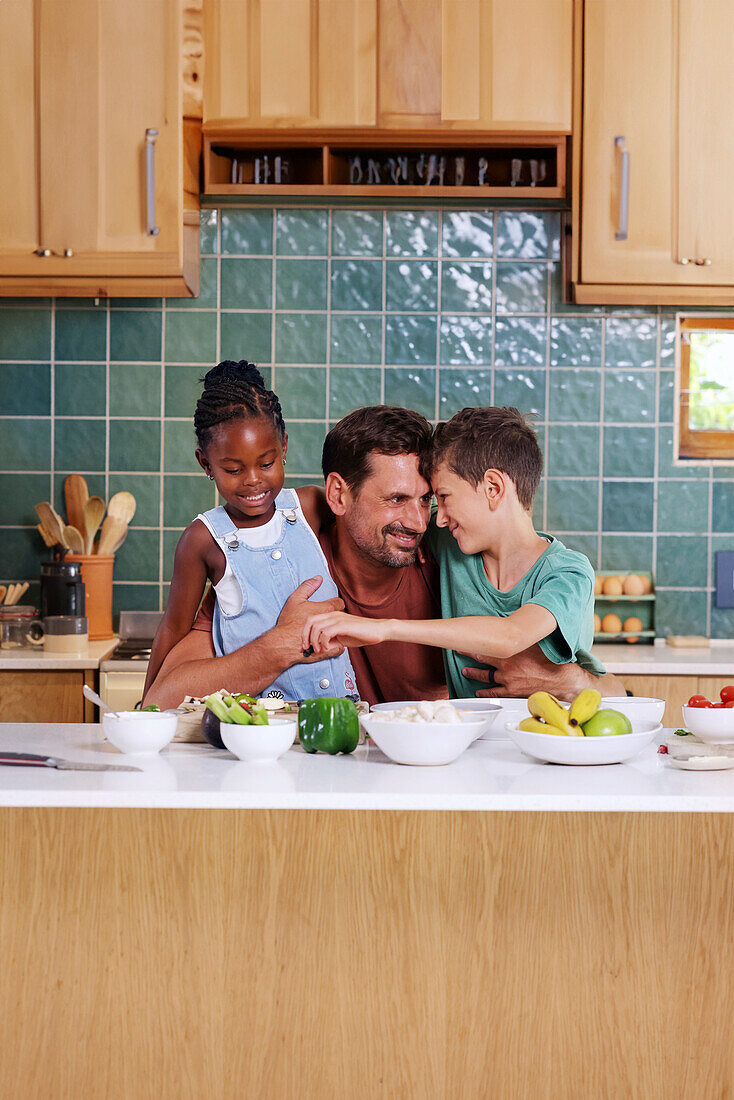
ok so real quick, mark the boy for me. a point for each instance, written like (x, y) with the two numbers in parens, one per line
(504, 586)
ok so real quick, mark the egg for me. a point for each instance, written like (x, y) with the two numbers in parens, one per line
(612, 586)
(611, 623)
(597, 624)
(598, 586)
(633, 585)
(646, 585)
(632, 624)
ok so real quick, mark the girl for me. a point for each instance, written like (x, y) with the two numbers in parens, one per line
(257, 547)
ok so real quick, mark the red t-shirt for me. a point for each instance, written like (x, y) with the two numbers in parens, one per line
(389, 671)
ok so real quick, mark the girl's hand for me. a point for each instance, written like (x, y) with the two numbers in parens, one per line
(321, 631)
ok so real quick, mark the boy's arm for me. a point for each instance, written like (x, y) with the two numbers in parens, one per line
(496, 637)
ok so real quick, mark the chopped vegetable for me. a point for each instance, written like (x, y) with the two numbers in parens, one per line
(682, 733)
(152, 706)
(237, 709)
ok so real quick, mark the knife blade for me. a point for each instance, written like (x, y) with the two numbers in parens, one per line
(25, 759)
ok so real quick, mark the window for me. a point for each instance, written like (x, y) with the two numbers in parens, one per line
(706, 387)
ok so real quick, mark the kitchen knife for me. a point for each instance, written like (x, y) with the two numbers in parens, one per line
(30, 758)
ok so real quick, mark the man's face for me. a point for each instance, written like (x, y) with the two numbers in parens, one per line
(389, 513)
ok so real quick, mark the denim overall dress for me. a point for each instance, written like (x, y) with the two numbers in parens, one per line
(267, 576)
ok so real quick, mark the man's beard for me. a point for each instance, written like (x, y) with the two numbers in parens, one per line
(393, 557)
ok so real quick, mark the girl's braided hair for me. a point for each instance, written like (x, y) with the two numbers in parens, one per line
(234, 391)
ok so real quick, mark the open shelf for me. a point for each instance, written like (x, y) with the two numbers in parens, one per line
(413, 164)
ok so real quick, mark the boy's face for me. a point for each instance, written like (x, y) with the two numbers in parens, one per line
(462, 508)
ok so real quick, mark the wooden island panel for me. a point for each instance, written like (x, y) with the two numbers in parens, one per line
(190, 953)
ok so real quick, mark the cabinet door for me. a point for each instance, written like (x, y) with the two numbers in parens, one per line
(628, 72)
(18, 163)
(47, 696)
(291, 63)
(106, 72)
(506, 64)
(706, 141)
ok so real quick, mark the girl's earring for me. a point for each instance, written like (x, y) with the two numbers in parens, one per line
(210, 476)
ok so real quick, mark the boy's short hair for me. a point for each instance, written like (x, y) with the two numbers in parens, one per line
(477, 440)
(376, 429)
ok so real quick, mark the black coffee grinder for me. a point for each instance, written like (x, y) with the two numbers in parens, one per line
(62, 588)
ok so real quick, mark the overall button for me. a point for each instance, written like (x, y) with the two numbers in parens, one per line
(275, 554)
(324, 683)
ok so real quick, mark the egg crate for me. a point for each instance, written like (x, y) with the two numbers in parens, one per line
(625, 607)
(648, 598)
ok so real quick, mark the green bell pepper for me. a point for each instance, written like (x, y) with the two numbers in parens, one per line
(328, 725)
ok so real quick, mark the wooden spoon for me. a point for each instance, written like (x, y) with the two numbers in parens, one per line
(73, 539)
(76, 495)
(15, 591)
(51, 522)
(47, 538)
(94, 509)
(122, 506)
(3, 590)
(113, 534)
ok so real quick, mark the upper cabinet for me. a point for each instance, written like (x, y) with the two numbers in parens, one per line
(500, 65)
(654, 219)
(92, 174)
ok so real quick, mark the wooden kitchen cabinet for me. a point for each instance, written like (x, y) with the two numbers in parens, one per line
(48, 695)
(89, 81)
(654, 220)
(500, 65)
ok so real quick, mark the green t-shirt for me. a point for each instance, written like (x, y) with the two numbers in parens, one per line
(561, 580)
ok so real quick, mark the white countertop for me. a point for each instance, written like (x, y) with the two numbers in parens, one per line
(14, 660)
(491, 775)
(664, 660)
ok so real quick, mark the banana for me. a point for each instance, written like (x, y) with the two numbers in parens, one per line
(584, 706)
(534, 725)
(544, 705)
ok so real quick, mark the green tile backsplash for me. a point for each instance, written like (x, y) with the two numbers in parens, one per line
(431, 308)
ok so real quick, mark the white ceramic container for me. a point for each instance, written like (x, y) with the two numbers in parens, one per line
(487, 707)
(555, 748)
(143, 732)
(715, 727)
(259, 744)
(423, 743)
(638, 708)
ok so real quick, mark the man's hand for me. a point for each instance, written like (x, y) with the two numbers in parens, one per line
(297, 610)
(519, 676)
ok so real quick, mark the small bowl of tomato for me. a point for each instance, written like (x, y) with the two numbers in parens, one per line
(712, 722)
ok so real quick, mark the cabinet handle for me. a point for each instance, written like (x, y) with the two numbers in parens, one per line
(703, 263)
(150, 136)
(43, 251)
(624, 193)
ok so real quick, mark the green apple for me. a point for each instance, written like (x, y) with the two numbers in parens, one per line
(605, 723)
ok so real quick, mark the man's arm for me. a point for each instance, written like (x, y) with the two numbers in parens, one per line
(519, 676)
(192, 667)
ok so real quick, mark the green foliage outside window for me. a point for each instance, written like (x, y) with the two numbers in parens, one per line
(711, 393)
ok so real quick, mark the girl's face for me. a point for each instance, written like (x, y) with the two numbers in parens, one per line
(245, 458)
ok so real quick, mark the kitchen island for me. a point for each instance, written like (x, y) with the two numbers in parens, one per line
(345, 926)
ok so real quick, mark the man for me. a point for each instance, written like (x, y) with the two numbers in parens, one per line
(379, 504)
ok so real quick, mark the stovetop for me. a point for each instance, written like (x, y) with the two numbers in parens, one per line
(132, 649)
(137, 631)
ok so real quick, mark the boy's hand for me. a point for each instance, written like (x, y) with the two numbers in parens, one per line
(323, 631)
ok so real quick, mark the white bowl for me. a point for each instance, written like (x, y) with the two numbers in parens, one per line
(423, 743)
(556, 748)
(486, 707)
(143, 732)
(715, 727)
(259, 744)
(505, 707)
(638, 708)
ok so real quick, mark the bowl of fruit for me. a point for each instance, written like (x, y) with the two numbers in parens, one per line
(712, 722)
(584, 733)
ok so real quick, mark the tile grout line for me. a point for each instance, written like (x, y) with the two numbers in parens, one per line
(439, 285)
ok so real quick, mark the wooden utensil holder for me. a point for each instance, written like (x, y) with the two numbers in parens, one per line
(97, 577)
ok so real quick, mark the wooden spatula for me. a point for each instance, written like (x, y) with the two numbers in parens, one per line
(73, 539)
(122, 506)
(3, 590)
(51, 522)
(94, 509)
(113, 533)
(47, 538)
(76, 495)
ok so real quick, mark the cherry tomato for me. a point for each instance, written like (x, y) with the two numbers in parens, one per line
(727, 694)
(729, 705)
(716, 706)
(699, 701)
